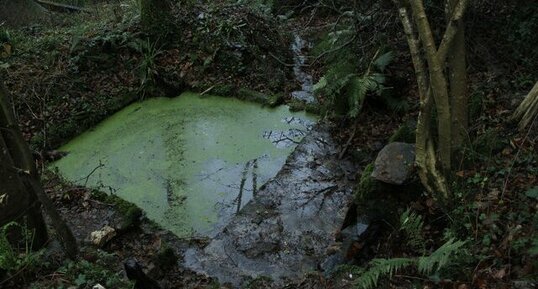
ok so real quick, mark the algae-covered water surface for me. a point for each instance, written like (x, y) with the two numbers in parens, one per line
(190, 162)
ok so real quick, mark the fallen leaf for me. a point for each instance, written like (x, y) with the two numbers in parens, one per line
(500, 274)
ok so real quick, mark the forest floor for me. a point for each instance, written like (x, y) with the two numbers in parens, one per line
(67, 77)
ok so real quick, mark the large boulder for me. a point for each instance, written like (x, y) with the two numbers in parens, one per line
(395, 163)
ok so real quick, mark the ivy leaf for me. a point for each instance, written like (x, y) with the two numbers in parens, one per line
(532, 193)
(81, 280)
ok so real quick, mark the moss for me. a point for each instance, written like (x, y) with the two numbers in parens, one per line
(380, 201)
(223, 90)
(276, 99)
(404, 133)
(166, 258)
(130, 212)
(296, 105)
(254, 96)
(132, 217)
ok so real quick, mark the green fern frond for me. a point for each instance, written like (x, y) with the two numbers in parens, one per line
(395, 104)
(379, 268)
(440, 257)
(411, 224)
(8, 256)
(357, 90)
(383, 61)
(337, 36)
(320, 85)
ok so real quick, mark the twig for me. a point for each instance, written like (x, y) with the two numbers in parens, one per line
(324, 191)
(63, 6)
(280, 61)
(348, 143)
(255, 177)
(93, 171)
(207, 90)
(334, 49)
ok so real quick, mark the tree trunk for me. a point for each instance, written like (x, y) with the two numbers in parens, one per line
(457, 75)
(434, 91)
(16, 202)
(15, 13)
(13, 198)
(438, 85)
(527, 111)
(23, 193)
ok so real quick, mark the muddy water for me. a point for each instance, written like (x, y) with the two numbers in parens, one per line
(190, 162)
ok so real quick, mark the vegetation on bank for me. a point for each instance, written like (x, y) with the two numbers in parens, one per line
(69, 74)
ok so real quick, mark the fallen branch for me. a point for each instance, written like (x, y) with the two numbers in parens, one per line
(59, 6)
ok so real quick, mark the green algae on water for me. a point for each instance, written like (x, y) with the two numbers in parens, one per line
(189, 162)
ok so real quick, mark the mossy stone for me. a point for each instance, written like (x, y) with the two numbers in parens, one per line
(166, 258)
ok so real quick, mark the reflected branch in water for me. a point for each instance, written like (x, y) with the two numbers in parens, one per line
(242, 186)
(254, 177)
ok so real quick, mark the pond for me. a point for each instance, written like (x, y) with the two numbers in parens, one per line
(189, 162)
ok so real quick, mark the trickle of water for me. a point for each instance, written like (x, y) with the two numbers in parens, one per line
(306, 94)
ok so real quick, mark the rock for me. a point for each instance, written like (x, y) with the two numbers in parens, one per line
(395, 163)
(134, 272)
(98, 286)
(100, 237)
(342, 251)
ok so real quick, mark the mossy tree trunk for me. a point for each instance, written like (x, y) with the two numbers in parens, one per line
(21, 12)
(439, 93)
(21, 192)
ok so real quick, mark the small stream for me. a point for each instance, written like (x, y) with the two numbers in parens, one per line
(306, 94)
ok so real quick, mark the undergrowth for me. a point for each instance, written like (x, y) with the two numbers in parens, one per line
(16, 255)
(430, 265)
(351, 78)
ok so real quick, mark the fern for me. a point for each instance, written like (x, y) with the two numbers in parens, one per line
(411, 224)
(383, 61)
(8, 257)
(346, 89)
(425, 265)
(440, 257)
(358, 87)
(379, 268)
(14, 258)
